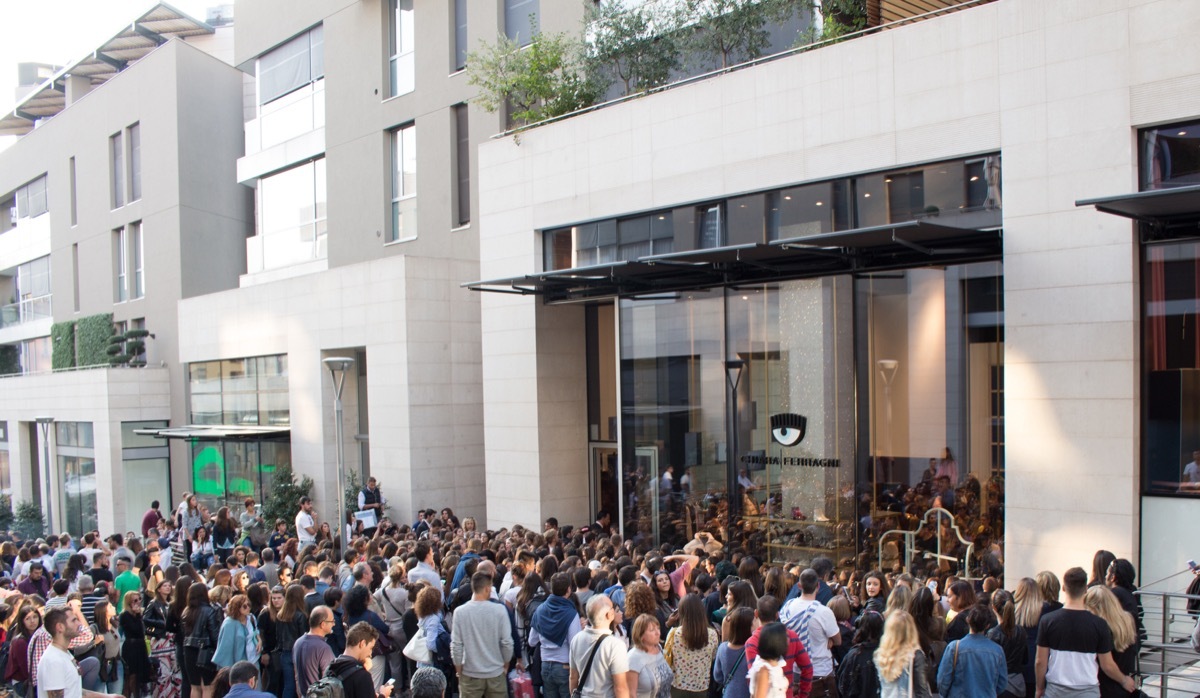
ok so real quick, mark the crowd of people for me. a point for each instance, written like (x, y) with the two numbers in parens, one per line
(439, 608)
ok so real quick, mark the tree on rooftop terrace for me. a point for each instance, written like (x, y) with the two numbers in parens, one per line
(637, 46)
(545, 79)
(732, 31)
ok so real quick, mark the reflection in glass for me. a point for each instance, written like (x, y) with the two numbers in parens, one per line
(78, 477)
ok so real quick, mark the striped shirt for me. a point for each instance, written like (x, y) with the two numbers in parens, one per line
(797, 665)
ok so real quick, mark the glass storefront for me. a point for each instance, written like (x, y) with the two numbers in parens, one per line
(75, 446)
(224, 473)
(819, 417)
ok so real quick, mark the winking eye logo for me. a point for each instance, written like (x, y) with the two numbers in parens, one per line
(788, 429)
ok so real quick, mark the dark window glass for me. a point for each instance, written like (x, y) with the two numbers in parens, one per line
(710, 229)
(520, 20)
(1171, 361)
(1169, 156)
(557, 249)
(460, 34)
(977, 186)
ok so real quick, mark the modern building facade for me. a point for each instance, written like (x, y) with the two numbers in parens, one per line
(881, 238)
(117, 200)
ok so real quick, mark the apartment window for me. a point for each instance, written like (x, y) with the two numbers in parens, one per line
(240, 391)
(404, 184)
(35, 355)
(291, 65)
(520, 20)
(291, 207)
(139, 324)
(401, 39)
(32, 199)
(136, 250)
(116, 155)
(135, 162)
(74, 201)
(120, 266)
(462, 165)
(460, 34)
(75, 275)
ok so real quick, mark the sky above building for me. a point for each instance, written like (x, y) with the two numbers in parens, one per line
(62, 31)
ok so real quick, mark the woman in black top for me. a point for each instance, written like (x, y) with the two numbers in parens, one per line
(201, 625)
(1011, 638)
(224, 534)
(1104, 603)
(162, 641)
(290, 623)
(175, 625)
(962, 597)
(1120, 580)
(271, 661)
(133, 649)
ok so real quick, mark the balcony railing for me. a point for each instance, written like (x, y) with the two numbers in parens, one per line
(26, 310)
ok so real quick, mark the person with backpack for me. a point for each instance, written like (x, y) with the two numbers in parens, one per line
(730, 668)
(349, 676)
(552, 625)
(857, 676)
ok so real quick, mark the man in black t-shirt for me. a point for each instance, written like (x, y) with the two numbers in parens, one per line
(351, 667)
(1072, 643)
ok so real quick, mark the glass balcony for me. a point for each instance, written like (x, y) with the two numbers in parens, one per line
(26, 310)
(292, 115)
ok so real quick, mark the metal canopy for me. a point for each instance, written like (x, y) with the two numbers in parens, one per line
(876, 248)
(216, 432)
(146, 33)
(1161, 206)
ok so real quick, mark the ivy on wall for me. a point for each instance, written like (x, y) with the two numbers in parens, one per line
(62, 343)
(92, 334)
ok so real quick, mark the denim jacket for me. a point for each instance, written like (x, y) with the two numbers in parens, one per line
(979, 670)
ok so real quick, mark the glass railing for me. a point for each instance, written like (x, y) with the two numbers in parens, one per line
(27, 310)
(292, 115)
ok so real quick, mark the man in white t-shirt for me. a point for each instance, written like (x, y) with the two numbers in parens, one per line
(818, 630)
(57, 673)
(1191, 473)
(306, 523)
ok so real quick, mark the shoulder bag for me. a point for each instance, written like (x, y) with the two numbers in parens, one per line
(417, 648)
(587, 668)
(953, 669)
(732, 669)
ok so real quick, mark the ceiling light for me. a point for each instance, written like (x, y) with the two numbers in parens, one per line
(867, 195)
(820, 203)
(887, 179)
(975, 178)
(1183, 133)
(787, 198)
(662, 218)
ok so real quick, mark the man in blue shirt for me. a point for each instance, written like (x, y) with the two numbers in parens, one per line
(243, 679)
(973, 666)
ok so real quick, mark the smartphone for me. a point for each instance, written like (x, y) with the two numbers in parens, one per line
(932, 584)
(390, 682)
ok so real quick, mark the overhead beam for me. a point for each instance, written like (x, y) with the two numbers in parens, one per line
(154, 36)
(24, 115)
(116, 63)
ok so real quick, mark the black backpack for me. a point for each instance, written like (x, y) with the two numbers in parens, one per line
(328, 686)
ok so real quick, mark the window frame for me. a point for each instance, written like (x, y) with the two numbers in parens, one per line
(116, 170)
(402, 146)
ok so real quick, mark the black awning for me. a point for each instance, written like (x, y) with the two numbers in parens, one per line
(218, 432)
(1160, 206)
(876, 248)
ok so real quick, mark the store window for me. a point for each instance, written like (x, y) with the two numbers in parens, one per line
(249, 391)
(1169, 156)
(1171, 361)
(798, 419)
(224, 473)
(146, 460)
(75, 445)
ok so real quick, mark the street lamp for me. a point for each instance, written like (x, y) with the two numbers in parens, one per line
(44, 425)
(338, 366)
(733, 372)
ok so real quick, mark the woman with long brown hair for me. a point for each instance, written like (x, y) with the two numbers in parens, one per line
(175, 625)
(133, 649)
(162, 641)
(200, 629)
(690, 650)
(1011, 638)
(290, 623)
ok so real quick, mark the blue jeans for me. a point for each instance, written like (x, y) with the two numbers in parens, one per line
(289, 674)
(555, 680)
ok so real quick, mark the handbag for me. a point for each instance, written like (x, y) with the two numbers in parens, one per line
(587, 668)
(417, 648)
(732, 669)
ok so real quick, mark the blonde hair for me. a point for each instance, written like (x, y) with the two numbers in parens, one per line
(1029, 600)
(1102, 602)
(1049, 586)
(898, 600)
(899, 643)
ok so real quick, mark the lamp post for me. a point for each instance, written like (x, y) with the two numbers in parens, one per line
(44, 425)
(338, 366)
(733, 372)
